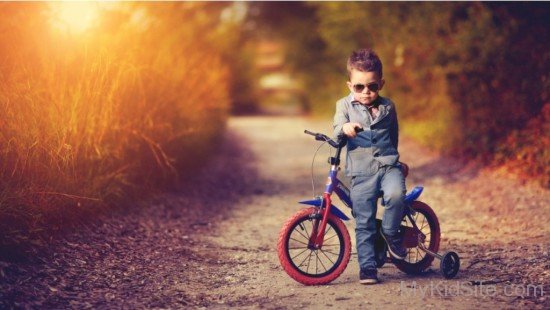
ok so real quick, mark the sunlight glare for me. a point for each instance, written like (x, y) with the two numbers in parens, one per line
(74, 17)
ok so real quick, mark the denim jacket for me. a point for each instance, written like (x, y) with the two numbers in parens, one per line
(374, 147)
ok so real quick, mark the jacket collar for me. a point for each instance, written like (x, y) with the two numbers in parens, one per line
(380, 102)
(383, 109)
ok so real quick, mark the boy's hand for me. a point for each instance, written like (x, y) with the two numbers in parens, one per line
(349, 129)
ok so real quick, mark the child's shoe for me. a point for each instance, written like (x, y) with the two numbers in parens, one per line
(395, 246)
(368, 276)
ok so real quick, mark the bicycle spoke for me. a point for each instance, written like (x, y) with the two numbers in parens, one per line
(422, 225)
(304, 260)
(309, 261)
(335, 254)
(327, 255)
(305, 237)
(422, 255)
(298, 255)
(322, 261)
(298, 241)
(325, 245)
(329, 228)
(307, 233)
(316, 259)
(330, 237)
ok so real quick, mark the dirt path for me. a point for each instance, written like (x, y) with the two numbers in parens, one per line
(213, 244)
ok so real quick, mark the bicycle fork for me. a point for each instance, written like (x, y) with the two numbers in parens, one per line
(318, 234)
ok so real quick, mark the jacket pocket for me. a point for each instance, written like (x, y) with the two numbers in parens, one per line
(362, 163)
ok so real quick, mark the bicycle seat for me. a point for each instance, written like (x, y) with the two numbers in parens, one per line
(404, 169)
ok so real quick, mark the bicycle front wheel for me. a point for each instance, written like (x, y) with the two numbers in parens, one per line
(309, 265)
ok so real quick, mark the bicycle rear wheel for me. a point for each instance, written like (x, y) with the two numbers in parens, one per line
(306, 264)
(417, 260)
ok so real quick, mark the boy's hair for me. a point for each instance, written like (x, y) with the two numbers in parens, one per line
(364, 60)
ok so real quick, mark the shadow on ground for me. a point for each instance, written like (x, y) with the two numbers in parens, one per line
(149, 255)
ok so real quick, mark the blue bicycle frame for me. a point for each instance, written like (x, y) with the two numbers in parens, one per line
(343, 193)
(335, 185)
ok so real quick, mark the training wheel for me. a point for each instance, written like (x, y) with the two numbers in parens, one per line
(450, 263)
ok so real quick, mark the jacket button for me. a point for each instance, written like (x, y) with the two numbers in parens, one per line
(374, 141)
(371, 126)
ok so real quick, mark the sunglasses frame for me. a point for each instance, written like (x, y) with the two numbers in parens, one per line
(368, 86)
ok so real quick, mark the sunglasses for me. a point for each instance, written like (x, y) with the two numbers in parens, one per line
(373, 87)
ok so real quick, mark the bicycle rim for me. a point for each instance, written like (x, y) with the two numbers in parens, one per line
(315, 262)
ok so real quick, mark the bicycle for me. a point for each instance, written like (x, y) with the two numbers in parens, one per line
(319, 233)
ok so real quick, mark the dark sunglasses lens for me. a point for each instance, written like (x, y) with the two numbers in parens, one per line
(358, 88)
(373, 87)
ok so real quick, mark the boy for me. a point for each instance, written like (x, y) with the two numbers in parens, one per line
(372, 159)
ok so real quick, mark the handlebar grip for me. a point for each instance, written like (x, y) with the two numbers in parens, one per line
(325, 138)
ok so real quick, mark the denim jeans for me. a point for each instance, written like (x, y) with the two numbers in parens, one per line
(365, 191)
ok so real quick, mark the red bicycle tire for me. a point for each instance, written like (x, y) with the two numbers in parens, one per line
(435, 238)
(285, 260)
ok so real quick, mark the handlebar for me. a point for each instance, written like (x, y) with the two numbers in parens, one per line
(341, 139)
(323, 137)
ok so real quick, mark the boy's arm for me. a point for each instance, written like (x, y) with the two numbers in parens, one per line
(340, 118)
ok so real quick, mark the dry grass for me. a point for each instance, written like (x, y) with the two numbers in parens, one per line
(93, 118)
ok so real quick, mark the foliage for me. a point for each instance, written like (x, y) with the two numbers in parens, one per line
(464, 76)
(525, 151)
(94, 118)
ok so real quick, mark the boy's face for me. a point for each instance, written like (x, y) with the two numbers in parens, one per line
(365, 86)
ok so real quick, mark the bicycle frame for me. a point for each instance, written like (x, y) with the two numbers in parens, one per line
(317, 235)
(334, 185)
(325, 204)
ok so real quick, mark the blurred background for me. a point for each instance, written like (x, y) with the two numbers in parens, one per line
(105, 102)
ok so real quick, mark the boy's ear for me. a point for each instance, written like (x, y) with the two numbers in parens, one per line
(382, 82)
(349, 85)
